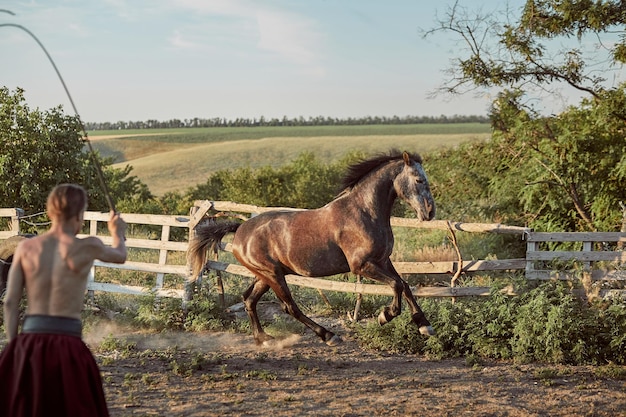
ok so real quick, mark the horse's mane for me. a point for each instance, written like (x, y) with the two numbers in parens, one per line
(357, 171)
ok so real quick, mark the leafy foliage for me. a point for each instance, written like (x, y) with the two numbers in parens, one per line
(567, 170)
(43, 149)
(515, 48)
(39, 150)
(543, 324)
(557, 172)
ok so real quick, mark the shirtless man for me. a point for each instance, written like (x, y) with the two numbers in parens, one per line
(47, 369)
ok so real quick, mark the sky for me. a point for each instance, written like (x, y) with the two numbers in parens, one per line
(131, 60)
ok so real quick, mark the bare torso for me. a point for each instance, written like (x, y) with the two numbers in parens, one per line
(55, 270)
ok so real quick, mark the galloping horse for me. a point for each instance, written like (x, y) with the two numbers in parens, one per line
(352, 233)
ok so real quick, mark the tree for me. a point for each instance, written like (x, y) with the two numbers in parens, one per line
(564, 171)
(40, 149)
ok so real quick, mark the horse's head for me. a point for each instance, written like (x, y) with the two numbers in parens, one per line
(412, 186)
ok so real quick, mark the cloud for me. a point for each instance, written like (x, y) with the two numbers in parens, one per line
(178, 40)
(121, 8)
(287, 35)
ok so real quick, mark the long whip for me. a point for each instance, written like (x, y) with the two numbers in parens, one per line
(105, 189)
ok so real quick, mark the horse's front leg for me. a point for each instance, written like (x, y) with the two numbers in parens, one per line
(373, 271)
(390, 276)
(417, 315)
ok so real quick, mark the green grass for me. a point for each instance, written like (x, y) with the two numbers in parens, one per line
(176, 159)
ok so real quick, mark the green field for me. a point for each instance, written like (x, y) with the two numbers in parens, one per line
(176, 159)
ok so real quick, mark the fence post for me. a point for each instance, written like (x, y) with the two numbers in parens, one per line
(531, 246)
(189, 282)
(357, 306)
(165, 236)
(91, 278)
(15, 221)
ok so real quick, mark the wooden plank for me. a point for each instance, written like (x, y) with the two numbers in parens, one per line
(576, 237)
(576, 255)
(247, 208)
(7, 212)
(146, 243)
(200, 209)
(451, 266)
(6, 235)
(133, 290)
(608, 275)
(358, 288)
(145, 267)
(447, 267)
(148, 219)
(459, 226)
(596, 275)
(165, 236)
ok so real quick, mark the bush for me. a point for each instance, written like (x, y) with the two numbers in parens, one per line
(542, 324)
(550, 326)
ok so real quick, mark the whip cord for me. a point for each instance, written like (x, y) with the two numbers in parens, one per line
(99, 172)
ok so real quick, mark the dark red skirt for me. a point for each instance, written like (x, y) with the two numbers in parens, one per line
(50, 375)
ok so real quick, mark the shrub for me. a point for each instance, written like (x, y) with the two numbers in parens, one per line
(543, 324)
(549, 326)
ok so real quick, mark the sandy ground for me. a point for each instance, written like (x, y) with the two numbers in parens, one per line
(223, 374)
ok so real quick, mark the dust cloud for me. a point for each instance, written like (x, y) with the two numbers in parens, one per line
(201, 342)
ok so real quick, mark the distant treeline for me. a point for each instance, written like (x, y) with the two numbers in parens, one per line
(285, 121)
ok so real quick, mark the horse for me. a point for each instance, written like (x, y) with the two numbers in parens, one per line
(7, 249)
(352, 233)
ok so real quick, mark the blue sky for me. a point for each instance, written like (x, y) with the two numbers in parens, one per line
(163, 59)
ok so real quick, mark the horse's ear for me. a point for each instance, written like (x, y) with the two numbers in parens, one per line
(406, 157)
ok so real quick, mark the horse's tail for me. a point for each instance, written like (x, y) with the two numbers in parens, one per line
(208, 236)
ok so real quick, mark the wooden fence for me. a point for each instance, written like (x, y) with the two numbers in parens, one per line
(537, 254)
(601, 256)
(163, 247)
(204, 207)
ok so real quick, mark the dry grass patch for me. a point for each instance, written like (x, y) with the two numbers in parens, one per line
(184, 165)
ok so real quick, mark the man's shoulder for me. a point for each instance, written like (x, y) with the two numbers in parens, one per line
(89, 240)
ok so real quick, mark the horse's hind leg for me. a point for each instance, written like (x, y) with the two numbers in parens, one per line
(282, 292)
(250, 299)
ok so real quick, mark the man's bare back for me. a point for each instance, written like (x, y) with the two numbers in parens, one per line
(53, 268)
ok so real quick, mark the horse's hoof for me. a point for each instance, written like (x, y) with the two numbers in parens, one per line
(427, 331)
(382, 318)
(334, 341)
(264, 340)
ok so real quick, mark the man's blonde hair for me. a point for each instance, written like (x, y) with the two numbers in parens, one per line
(66, 201)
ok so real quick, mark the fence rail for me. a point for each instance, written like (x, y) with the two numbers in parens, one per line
(587, 258)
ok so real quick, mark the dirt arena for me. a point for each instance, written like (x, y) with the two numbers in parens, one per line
(224, 374)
